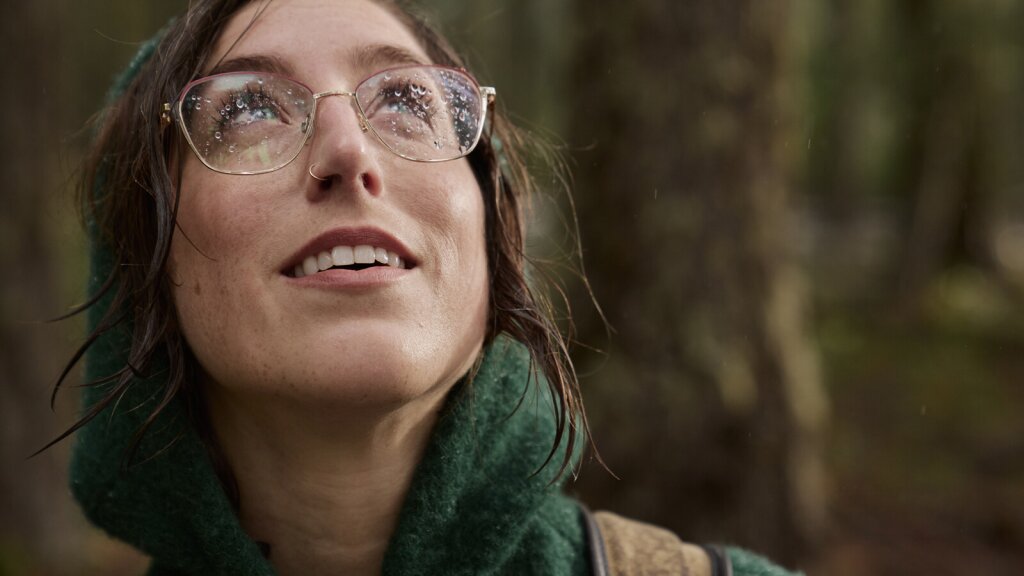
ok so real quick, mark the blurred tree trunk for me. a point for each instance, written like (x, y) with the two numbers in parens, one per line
(686, 108)
(964, 102)
(35, 520)
(64, 57)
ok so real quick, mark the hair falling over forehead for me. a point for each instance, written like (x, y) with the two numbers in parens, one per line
(130, 203)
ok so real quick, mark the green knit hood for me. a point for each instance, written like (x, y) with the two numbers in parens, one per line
(475, 506)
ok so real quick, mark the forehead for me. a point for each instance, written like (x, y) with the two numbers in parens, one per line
(307, 35)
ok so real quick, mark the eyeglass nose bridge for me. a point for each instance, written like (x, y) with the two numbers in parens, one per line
(359, 111)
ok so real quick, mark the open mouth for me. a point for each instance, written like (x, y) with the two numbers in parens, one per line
(353, 258)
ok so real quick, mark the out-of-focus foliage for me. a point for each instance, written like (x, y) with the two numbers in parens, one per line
(804, 220)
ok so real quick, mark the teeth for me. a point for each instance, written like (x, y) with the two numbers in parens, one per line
(309, 266)
(346, 256)
(324, 260)
(343, 256)
(364, 254)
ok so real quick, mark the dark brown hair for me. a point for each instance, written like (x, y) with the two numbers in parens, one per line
(130, 203)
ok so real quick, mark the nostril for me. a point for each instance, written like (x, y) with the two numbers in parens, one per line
(366, 180)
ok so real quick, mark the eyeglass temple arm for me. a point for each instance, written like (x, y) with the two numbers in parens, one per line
(165, 114)
(489, 93)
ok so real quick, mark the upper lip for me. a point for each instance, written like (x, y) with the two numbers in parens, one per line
(349, 236)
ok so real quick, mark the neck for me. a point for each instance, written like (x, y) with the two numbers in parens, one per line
(323, 490)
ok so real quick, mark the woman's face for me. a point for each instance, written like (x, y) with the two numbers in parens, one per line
(381, 336)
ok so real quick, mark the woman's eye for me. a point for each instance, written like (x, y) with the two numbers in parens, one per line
(246, 108)
(250, 115)
(407, 100)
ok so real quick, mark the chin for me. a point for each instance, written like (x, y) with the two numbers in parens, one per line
(366, 368)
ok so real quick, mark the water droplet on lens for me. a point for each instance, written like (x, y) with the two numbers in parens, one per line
(240, 103)
(232, 148)
(387, 76)
(198, 106)
(218, 135)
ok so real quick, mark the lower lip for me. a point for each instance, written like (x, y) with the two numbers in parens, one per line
(376, 277)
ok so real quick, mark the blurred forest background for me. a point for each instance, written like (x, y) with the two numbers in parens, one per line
(804, 221)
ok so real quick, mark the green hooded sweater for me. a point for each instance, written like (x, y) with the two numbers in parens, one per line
(475, 507)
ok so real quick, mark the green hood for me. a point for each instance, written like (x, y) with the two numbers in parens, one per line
(475, 506)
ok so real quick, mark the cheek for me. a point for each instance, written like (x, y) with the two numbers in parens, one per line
(461, 214)
(467, 282)
(215, 259)
(217, 217)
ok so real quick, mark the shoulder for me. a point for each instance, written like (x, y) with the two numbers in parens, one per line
(623, 546)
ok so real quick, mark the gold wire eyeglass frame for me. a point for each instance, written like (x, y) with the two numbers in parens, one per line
(173, 112)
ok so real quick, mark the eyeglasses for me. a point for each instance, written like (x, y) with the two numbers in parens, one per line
(257, 122)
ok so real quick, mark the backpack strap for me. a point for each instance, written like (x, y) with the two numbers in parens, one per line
(623, 547)
(720, 563)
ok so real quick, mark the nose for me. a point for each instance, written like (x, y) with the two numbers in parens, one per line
(342, 148)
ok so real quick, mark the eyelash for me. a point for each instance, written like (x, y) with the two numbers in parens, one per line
(406, 87)
(262, 98)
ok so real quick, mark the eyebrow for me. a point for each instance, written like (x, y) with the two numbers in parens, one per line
(369, 58)
(376, 56)
(255, 63)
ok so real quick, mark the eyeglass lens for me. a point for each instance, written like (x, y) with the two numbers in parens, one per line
(252, 122)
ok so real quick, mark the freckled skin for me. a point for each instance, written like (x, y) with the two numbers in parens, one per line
(254, 332)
